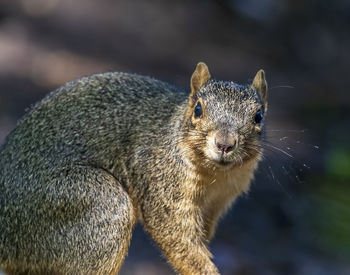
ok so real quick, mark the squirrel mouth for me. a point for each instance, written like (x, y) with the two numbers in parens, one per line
(225, 163)
(228, 158)
(221, 159)
(225, 160)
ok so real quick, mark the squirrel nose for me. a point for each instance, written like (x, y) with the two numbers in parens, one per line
(226, 144)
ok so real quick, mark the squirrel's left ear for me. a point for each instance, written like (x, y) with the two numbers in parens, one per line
(260, 85)
(199, 77)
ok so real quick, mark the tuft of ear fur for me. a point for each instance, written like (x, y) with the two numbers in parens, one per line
(199, 77)
(260, 85)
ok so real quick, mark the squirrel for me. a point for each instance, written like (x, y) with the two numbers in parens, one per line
(106, 151)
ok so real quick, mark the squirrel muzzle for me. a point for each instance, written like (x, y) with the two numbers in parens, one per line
(222, 146)
(226, 142)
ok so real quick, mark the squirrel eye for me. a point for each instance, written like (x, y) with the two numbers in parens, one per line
(198, 110)
(258, 117)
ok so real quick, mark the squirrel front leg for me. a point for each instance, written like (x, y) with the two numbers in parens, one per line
(178, 231)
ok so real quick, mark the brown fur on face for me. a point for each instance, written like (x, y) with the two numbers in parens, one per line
(227, 115)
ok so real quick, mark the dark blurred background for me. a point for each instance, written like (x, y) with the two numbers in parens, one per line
(296, 219)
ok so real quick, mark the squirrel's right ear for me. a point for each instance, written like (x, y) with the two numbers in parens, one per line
(199, 77)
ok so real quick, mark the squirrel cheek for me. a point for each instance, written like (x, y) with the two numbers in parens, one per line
(257, 128)
(211, 148)
(195, 121)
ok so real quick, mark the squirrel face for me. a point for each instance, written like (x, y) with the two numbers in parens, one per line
(224, 119)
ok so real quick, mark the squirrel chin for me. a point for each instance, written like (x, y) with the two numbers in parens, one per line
(225, 165)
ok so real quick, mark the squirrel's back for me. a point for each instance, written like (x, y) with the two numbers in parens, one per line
(80, 121)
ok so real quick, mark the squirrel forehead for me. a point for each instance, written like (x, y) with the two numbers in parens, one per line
(230, 94)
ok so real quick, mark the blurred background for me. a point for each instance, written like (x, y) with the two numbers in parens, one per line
(296, 219)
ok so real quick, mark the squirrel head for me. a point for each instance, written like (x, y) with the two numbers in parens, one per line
(224, 120)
